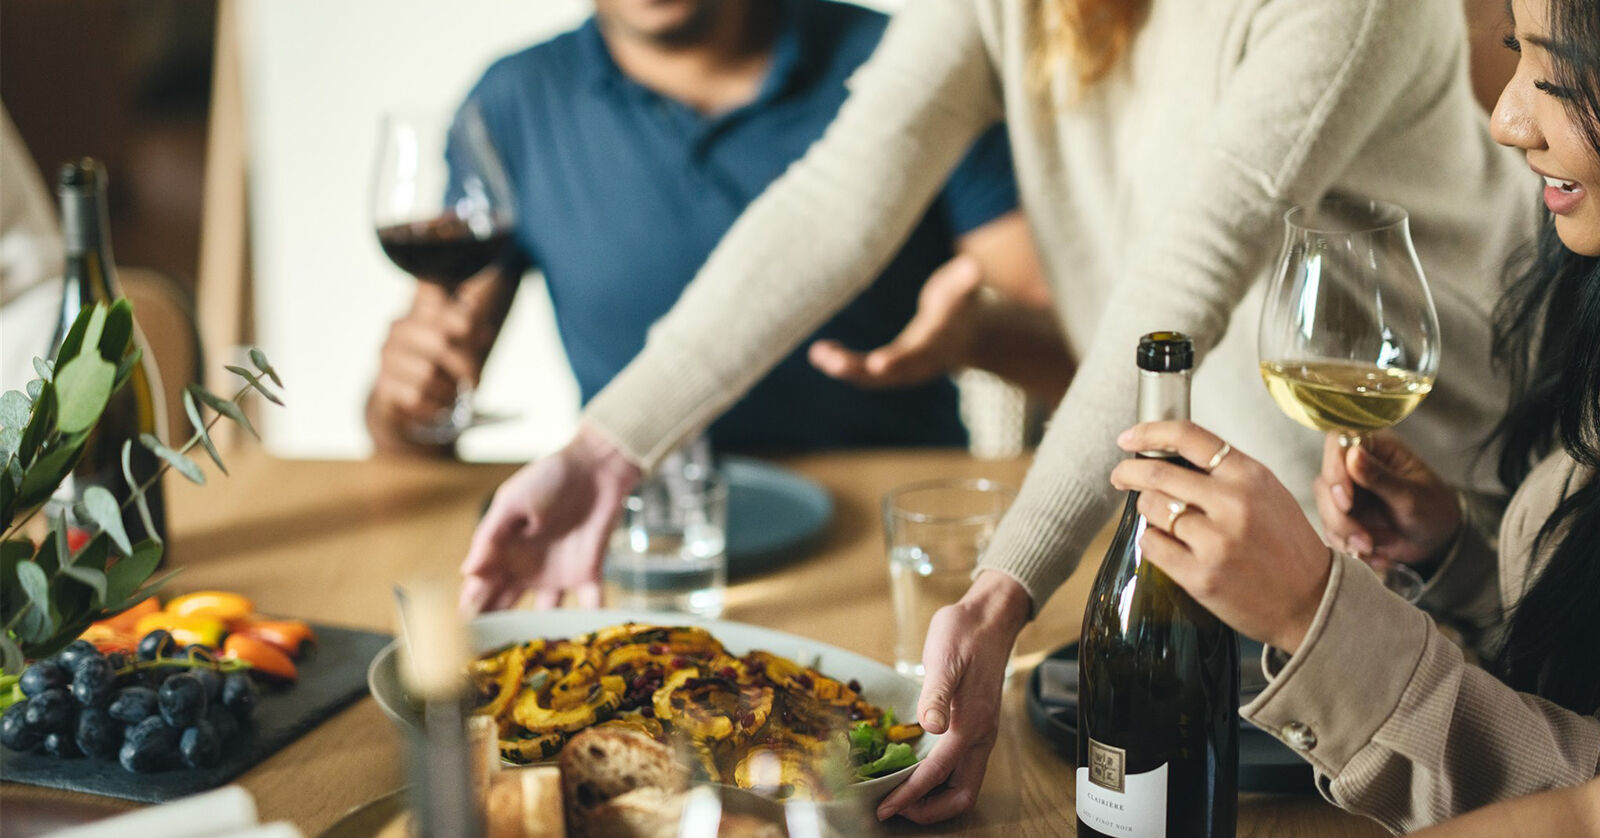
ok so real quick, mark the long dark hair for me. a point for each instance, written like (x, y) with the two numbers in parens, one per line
(1547, 333)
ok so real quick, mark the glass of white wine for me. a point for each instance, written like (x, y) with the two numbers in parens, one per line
(1349, 337)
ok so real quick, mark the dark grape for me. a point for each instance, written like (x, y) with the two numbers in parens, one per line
(15, 732)
(62, 745)
(156, 676)
(210, 680)
(239, 695)
(77, 650)
(49, 711)
(98, 734)
(149, 746)
(197, 652)
(222, 722)
(43, 675)
(156, 644)
(200, 746)
(132, 705)
(92, 681)
(117, 660)
(182, 700)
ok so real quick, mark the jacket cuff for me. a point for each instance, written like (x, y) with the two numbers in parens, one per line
(1312, 703)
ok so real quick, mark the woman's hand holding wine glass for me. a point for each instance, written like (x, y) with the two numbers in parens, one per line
(1411, 515)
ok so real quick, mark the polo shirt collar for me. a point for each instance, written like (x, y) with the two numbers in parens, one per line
(791, 54)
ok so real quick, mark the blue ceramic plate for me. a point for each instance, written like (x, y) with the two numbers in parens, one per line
(774, 515)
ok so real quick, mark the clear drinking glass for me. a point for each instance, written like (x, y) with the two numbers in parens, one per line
(935, 531)
(669, 550)
(1349, 338)
(444, 210)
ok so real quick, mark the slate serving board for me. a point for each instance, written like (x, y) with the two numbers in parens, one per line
(1265, 764)
(331, 677)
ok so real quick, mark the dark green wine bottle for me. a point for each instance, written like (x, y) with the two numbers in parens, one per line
(90, 277)
(1158, 675)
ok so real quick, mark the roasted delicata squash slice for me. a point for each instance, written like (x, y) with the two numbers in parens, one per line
(507, 683)
(638, 723)
(532, 748)
(713, 708)
(782, 771)
(602, 699)
(904, 733)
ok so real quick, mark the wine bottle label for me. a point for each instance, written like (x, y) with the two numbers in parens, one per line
(1114, 802)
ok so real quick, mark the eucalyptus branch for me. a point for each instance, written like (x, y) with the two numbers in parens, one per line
(184, 449)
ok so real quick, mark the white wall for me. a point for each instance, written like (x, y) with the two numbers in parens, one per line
(317, 74)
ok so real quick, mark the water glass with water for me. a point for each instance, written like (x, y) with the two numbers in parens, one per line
(935, 532)
(669, 550)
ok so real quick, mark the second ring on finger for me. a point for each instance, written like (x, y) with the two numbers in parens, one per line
(1166, 512)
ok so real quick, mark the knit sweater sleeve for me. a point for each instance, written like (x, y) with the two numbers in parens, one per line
(1315, 83)
(817, 236)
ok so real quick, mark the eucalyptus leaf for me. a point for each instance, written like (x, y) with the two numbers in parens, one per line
(14, 410)
(63, 545)
(259, 358)
(40, 426)
(83, 387)
(42, 478)
(11, 660)
(104, 510)
(118, 331)
(153, 588)
(255, 383)
(43, 367)
(138, 492)
(94, 553)
(36, 627)
(12, 553)
(184, 465)
(125, 577)
(227, 408)
(126, 366)
(73, 342)
(34, 388)
(95, 579)
(34, 584)
(91, 334)
(10, 441)
(200, 431)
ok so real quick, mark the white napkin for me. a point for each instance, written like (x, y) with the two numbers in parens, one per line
(228, 812)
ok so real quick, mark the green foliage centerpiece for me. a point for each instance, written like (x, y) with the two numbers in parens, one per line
(49, 592)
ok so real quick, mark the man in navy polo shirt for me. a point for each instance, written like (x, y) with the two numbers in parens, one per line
(634, 143)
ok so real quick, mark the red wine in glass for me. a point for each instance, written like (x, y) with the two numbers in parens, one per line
(444, 251)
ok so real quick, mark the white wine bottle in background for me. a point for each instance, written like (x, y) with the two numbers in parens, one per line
(89, 278)
(1158, 689)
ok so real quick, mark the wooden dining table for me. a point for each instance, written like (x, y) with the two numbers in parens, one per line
(325, 541)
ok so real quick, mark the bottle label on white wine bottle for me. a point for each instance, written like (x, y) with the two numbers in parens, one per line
(1114, 802)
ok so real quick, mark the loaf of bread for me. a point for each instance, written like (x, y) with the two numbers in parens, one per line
(600, 765)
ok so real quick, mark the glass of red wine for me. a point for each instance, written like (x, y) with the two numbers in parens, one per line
(444, 210)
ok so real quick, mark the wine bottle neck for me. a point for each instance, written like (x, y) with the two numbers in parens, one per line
(89, 271)
(1163, 396)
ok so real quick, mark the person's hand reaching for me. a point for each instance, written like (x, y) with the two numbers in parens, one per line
(936, 341)
(547, 527)
(965, 657)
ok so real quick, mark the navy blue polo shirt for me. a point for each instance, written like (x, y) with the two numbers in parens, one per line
(622, 194)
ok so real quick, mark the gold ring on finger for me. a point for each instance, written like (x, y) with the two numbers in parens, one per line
(1217, 458)
(1175, 510)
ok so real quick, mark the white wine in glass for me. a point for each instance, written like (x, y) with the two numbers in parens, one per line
(1349, 338)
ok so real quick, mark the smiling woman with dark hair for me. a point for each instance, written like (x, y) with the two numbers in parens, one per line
(1422, 735)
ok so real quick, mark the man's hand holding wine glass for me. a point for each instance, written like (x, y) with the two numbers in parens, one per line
(431, 351)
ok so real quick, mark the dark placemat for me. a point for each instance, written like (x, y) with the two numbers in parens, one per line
(1265, 764)
(331, 677)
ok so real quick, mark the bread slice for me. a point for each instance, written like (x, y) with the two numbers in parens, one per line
(600, 765)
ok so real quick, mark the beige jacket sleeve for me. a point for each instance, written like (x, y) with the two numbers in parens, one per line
(1416, 735)
(817, 236)
(1465, 588)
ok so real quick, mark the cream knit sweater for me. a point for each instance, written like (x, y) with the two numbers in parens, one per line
(1156, 200)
